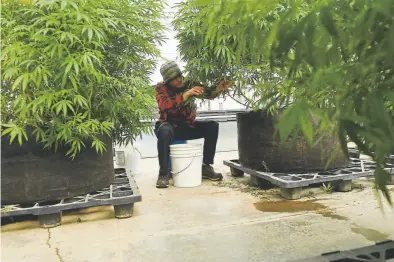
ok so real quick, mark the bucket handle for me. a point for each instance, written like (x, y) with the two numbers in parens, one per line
(191, 162)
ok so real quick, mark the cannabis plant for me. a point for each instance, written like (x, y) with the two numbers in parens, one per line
(74, 70)
(209, 61)
(331, 57)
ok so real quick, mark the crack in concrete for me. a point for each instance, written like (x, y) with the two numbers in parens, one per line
(117, 228)
(57, 251)
(49, 239)
(58, 255)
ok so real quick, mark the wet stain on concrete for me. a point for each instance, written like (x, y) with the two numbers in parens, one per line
(331, 214)
(298, 206)
(370, 234)
(289, 206)
(300, 223)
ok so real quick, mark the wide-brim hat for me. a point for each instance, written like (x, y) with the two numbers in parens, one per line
(170, 70)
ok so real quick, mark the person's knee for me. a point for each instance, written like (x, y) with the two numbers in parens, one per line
(212, 128)
(165, 131)
(214, 125)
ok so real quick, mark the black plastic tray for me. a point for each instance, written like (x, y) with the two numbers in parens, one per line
(357, 168)
(380, 252)
(122, 194)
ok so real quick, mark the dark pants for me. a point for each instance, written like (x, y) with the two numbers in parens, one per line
(166, 133)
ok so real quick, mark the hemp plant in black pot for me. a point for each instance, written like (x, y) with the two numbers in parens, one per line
(75, 78)
(332, 61)
(209, 60)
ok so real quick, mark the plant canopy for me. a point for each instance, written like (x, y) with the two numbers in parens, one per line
(74, 70)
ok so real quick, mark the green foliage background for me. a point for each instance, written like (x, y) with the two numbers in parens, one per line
(77, 69)
(333, 58)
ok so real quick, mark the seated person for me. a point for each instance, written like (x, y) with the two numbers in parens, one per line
(178, 120)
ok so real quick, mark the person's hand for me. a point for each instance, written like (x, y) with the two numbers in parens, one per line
(195, 91)
(223, 85)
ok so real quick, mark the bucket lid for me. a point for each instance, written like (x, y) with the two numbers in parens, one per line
(186, 148)
(179, 152)
(189, 155)
(185, 145)
(185, 152)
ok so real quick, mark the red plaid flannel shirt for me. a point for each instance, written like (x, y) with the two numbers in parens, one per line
(171, 106)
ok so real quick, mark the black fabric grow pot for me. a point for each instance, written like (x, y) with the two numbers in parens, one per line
(260, 150)
(30, 173)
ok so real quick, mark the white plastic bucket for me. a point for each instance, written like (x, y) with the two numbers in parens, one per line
(186, 165)
(185, 151)
(181, 149)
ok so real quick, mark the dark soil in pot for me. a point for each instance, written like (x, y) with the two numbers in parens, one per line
(30, 173)
(260, 150)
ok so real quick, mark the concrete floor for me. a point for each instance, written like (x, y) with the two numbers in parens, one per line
(225, 221)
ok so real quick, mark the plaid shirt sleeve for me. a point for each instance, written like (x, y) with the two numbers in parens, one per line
(210, 92)
(165, 101)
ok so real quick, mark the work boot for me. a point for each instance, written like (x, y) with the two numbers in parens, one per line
(209, 173)
(163, 181)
